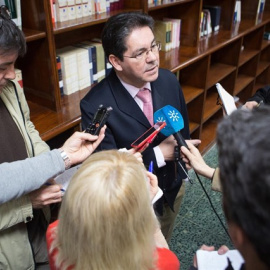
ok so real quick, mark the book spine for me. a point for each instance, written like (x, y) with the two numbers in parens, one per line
(19, 13)
(266, 36)
(61, 10)
(90, 67)
(12, 9)
(52, 11)
(71, 9)
(79, 10)
(168, 35)
(82, 64)
(85, 8)
(97, 7)
(18, 78)
(94, 61)
(60, 77)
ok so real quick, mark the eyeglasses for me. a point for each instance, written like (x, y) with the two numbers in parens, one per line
(4, 14)
(155, 47)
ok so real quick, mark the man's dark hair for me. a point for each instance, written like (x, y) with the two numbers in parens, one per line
(244, 156)
(12, 39)
(119, 27)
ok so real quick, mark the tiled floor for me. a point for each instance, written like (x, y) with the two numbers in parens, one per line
(196, 222)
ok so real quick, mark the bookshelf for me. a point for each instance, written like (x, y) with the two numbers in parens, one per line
(236, 56)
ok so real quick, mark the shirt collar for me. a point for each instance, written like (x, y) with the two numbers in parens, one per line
(133, 91)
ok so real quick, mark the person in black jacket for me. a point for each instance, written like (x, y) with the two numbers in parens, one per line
(130, 46)
(262, 95)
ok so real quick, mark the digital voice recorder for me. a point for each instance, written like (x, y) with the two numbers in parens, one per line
(99, 120)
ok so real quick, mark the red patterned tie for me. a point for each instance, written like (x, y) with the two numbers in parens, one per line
(145, 96)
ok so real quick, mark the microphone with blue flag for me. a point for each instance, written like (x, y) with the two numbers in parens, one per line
(174, 123)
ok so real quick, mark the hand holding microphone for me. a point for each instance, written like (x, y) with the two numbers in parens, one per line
(194, 159)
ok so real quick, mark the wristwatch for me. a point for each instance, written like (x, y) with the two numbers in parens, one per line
(65, 158)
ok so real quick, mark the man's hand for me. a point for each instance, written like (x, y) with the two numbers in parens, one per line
(167, 148)
(81, 145)
(194, 159)
(46, 195)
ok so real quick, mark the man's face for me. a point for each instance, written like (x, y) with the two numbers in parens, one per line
(7, 71)
(139, 71)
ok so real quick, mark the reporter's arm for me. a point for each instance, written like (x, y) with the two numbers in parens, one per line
(21, 177)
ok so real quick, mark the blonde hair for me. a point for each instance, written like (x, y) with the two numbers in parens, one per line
(106, 220)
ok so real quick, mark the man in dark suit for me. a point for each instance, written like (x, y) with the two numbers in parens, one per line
(131, 48)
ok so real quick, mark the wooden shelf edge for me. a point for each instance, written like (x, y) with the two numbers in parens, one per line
(50, 123)
(242, 81)
(262, 66)
(191, 92)
(217, 72)
(31, 35)
(193, 126)
(246, 55)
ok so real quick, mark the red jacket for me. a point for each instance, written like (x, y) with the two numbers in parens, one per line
(167, 260)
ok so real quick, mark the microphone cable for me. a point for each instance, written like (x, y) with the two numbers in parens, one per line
(210, 201)
(177, 158)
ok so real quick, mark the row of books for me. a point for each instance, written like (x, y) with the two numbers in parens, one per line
(159, 2)
(80, 66)
(14, 7)
(168, 32)
(64, 10)
(210, 20)
(154, 2)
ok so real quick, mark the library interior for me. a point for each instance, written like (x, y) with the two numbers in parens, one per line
(203, 43)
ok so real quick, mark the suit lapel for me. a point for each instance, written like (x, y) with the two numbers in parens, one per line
(125, 101)
(157, 96)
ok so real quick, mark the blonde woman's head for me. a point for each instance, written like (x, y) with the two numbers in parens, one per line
(106, 219)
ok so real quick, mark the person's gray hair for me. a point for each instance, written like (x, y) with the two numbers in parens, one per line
(243, 141)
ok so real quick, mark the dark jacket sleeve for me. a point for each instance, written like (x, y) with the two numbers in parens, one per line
(262, 94)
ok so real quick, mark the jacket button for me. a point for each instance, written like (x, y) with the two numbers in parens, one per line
(28, 219)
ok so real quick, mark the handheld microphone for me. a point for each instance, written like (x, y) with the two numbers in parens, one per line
(174, 123)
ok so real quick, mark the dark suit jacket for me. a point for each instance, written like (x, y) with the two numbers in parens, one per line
(127, 122)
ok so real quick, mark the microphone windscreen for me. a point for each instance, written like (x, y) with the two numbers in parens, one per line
(172, 117)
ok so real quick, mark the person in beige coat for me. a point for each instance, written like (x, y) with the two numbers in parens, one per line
(23, 221)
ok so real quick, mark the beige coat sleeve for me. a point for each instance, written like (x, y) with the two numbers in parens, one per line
(216, 185)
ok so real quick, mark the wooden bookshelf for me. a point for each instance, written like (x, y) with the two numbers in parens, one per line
(236, 56)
